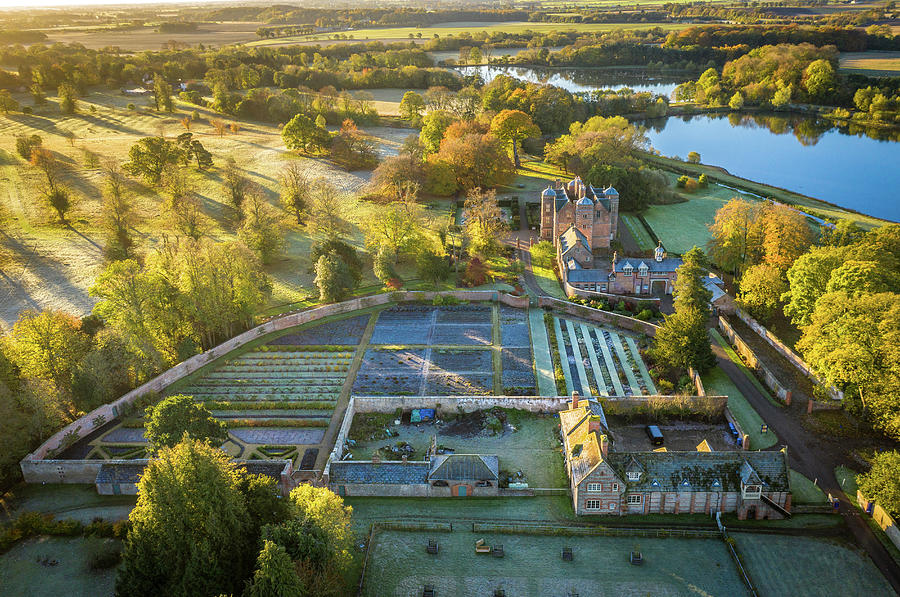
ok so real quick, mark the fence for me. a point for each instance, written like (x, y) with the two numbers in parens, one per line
(787, 353)
(880, 515)
(754, 362)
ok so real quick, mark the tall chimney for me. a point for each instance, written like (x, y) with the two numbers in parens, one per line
(574, 399)
(604, 446)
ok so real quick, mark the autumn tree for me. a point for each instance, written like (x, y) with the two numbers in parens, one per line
(162, 95)
(118, 213)
(484, 221)
(881, 483)
(236, 184)
(327, 210)
(411, 107)
(352, 149)
(475, 160)
(434, 124)
(58, 195)
(68, 98)
(736, 235)
(513, 127)
(396, 175)
(762, 286)
(786, 235)
(807, 280)
(261, 228)
(543, 253)
(296, 187)
(396, 226)
(175, 417)
(150, 156)
(302, 134)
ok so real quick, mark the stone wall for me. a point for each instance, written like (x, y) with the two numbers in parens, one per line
(571, 291)
(64, 471)
(607, 317)
(745, 439)
(98, 417)
(450, 405)
(780, 390)
(880, 515)
(787, 353)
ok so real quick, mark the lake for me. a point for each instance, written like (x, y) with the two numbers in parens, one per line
(578, 80)
(800, 153)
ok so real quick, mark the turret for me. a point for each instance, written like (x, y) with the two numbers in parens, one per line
(659, 253)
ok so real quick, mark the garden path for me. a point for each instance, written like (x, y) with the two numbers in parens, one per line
(543, 364)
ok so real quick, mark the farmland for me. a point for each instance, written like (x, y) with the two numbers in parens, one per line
(871, 63)
(601, 361)
(448, 29)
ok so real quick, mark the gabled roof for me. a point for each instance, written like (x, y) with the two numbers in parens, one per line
(571, 238)
(120, 472)
(464, 467)
(669, 264)
(703, 471)
(584, 463)
(388, 473)
(590, 276)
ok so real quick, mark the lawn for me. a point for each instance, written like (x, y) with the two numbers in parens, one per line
(23, 574)
(871, 63)
(847, 480)
(449, 29)
(717, 383)
(547, 280)
(804, 491)
(807, 567)
(532, 566)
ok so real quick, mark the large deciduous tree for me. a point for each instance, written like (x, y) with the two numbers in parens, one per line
(484, 221)
(173, 418)
(761, 288)
(736, 235)
(513, 127)
(150, 156)
(882, 483)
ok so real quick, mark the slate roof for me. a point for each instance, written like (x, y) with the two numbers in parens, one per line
(586, 460)
(701, 471)
(572, 237)
(388, 473)
(716, 291)
(120, 472)
(669, 264)
(464, 467)
(268, 468)
(590, 276)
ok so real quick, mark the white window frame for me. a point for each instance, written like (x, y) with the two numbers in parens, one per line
(615, 487)
(612, 505)
(634, 476)
(594, 487)
(628, 270)
(642, 271)
(635, 499)
(752, 492)
(593, 504)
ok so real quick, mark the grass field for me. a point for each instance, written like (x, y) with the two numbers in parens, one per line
(148, 38)
(871, 63)
(547, 280)
(717, 383)
(22, 574)
(807, 567)
(847, 480)
(448, 29)
(48, 265)
(804, 491)
(532, 566)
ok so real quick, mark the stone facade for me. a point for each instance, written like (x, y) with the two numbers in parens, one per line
(592, 211)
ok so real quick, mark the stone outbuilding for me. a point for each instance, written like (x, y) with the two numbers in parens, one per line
(120, 477)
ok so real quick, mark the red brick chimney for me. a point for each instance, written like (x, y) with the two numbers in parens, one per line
(604, 446)
(575, 399)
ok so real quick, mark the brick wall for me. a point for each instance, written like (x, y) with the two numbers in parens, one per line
(780, 389)
(629, 323)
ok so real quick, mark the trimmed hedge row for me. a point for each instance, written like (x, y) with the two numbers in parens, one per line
(30, 524)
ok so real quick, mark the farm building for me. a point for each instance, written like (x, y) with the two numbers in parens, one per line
(603, 482)
(446, 475)
(120, 477)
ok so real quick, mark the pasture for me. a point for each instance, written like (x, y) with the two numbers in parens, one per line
(49, 265)
(210, 34)
(457, 28)
(532, 565)
(873, 64)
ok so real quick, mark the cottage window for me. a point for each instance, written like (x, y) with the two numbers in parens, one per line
(615, 487)
(612, 506)
(603, 287)
(642, 271)
(628, 270)
(635, 500)
(634, 475)
(592, 504)
(752, 492)
(594, 487)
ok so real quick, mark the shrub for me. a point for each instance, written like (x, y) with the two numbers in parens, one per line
(27, 110)
(106, 558)
(644, 315)
(131, 106)
(665, 386)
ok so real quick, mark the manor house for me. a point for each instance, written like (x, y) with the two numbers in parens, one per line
(582, 210)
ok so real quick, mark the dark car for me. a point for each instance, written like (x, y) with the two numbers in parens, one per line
(655, 435)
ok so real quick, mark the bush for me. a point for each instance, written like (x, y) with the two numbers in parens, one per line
(131, 106)
(27, 110)
(665, 386)
(644, 315)
(108, 557)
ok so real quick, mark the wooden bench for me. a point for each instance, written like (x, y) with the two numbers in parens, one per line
(432, 547)
(480, 547)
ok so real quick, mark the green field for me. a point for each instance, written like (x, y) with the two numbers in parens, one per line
(547, 280)
(871, 63)
(23, 574)
(448, 29)
(717, 383)
(814, 567)
(805, 491)
(532, 565)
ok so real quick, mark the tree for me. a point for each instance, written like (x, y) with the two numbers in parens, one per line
(694, 157)
(189, 529)
(411, 106)
(327, 210)
(117, 213)
(484, 221)
(882, 483)
(56, 193)
(333, 278)
(7, 102)
(397, 226)
(736, 235)
(26, 144)
(174, 417)
(807, 279)
(513, 127)
(237, 185)
(762, 286)
(47, 345)
(432, 266)
(326, 510)
(162, 95)
(688, 288)
(856, 276)
(820, 80)
(396, 176)
(296, 187)
(351, 149)
(149, 158)
(786, 235)
(433, 126)
(476, 272)
(737, 101)
(543, 253)
(302, 134)
(383, 266)
(342, 251)
(261, 228)
(275, 575)
(476, 160)
(682, 341)
(68, 98)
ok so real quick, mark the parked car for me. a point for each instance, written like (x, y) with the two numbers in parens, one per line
(655, 435)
